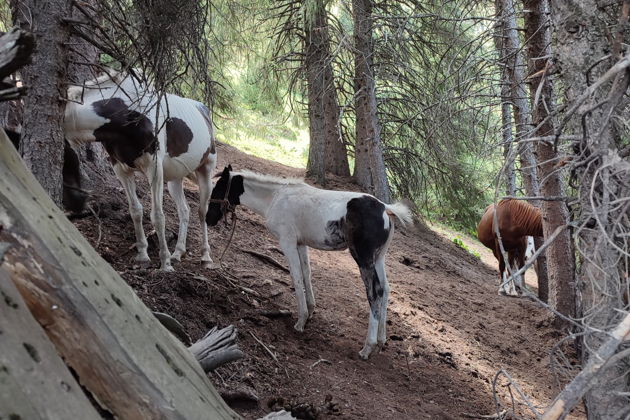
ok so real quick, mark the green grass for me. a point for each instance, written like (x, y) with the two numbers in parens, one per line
(266, 136)
(263, 124)
(457, 241)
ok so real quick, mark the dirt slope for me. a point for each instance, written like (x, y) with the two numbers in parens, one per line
(448, 330)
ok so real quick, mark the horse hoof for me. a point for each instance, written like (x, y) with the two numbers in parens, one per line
(177, 255)
(209, 265)
(142, 258)
(167, 269)
(365, 352)
(299, 326)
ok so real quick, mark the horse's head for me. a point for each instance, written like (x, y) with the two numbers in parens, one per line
(226, 192)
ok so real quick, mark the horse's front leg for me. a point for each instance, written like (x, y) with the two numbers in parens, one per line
(155, 176)
(126, 178)
(306, 275)
(290, 250)
(205, 189)
(176, 189)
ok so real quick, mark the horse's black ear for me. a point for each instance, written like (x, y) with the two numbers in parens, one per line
(229, 167)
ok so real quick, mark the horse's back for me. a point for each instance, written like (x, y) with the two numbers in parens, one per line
(188, 136)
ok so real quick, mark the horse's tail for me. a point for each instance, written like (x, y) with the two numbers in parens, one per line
(401, 211)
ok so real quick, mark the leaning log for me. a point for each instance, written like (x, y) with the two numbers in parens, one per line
(16, 47)
(96, 329)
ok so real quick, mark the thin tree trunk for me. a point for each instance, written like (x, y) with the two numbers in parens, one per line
(522, 112)
(336, 151)
(506, 106)
(559, 255)
(315, 63)
(522, 118)
(42, 132)
(582, 43)
(370, 170)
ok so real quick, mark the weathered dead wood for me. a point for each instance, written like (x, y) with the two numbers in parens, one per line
(217, 348)
(16, 47)
(575, 390)
(30, 365)
(278, 415)
(117, 349)
(267, 259)
(174, 327)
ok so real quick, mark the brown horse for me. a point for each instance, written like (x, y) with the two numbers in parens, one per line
(517, 221)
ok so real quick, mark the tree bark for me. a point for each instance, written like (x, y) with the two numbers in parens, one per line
(114, 345)
(559, 257)
(16, 47)
(369, 171)
(42, 122)
(327, 151)
(522, 111)
(582, 39)
(522, 118)
(506, 106)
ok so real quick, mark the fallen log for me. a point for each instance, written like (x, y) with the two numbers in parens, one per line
(91, 323)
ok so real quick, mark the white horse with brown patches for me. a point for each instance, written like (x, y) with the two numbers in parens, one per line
(301, 216)
(122, 114)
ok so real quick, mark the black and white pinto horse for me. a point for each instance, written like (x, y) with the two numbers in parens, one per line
(121, 113)
(302, 216)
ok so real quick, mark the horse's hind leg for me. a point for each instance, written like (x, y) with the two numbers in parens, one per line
(503, 289)
(128, 182)
(155, 175)
(306, 276)
(380, 271)
(375, 294)
(382, 322)
(290, 250)
(176, 189)
(205, 188)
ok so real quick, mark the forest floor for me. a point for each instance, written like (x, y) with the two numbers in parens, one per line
(448, 330)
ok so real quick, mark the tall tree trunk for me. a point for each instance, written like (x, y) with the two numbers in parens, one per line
(583, 43)
(370, 170)
(522, 112)
(522, 118)
(336, 151)
(506, 106)
(315, 62)
(327, 151)
(559, 255)
(42, 122)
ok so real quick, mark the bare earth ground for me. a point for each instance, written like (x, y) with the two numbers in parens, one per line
(448, 330)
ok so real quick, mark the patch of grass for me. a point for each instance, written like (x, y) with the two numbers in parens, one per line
(457, 241)
(262, 122)
(266, 136)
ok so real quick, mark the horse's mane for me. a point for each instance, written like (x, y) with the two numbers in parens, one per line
(528, 216)
(270, 179)
(109, 79)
